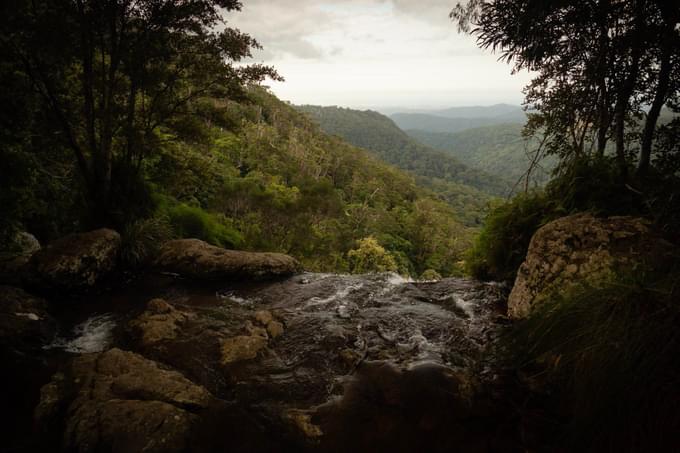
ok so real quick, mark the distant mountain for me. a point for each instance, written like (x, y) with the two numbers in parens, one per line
(455, 122)
(499, 150)
(506, 111)
(461, 185)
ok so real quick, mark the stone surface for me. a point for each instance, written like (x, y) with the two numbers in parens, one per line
(160, 322)
(119, 401)
(582, 249)
(242, 347)
(25, 323)
(14, 258)
(275, 329)
(196, 259)
(75, 262)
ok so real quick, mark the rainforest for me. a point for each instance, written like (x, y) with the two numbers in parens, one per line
(339, 226)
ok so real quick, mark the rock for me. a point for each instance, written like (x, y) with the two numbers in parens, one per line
(241, 348)
(264, 317)
(24, 322)
(119, 401)
(255, 330)
(14, 258)
(160, 322)
(275, 329)
(582, 249)
(75, 262)
(302, 420)
(196, 259)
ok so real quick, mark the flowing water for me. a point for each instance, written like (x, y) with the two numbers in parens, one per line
(364, 360)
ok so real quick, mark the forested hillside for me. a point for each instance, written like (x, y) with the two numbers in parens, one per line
(499, 150)
(452, 120)
(465, 188)
(258, 175)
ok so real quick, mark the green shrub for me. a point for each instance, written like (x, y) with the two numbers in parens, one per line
(594, 185)
(611, 357)
(430, 274)
(142, 238)
(193, 222)
(502, 245)
(370, 257)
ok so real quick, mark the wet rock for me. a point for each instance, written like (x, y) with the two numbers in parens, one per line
(256, 330)
(160, 322)
(275, 329)
(75, 262)
(196, 259)
(427, 408)
(25, 323)
(119, 401)
(15, 256)
(582, 249)
(242, 347)
(302, 420)
(264, 317)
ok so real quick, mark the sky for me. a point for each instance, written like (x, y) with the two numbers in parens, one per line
(381, 54)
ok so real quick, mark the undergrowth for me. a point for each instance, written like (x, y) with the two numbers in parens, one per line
(610, 355)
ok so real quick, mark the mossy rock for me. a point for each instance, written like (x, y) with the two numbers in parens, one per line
(583, 249)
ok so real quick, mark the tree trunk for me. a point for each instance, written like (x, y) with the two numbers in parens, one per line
(657, 104)
(603, 104)
(626, 91)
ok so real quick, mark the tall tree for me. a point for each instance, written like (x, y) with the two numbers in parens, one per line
(113, 73)
(599, 64)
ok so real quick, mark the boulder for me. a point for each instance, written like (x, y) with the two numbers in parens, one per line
(242, 347)
(160, 322)
(75, 262)
(119, 401)
(196, 259)
(24, 322)
(14, 257)
(583, 249)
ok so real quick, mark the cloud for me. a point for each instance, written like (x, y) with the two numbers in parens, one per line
(373, 52)
(283, 27)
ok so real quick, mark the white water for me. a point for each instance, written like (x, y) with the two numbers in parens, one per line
(93, 335)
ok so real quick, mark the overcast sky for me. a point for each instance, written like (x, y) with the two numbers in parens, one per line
(374, 54)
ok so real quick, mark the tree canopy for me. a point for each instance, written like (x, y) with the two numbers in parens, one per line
(104, 77)
(605, 69)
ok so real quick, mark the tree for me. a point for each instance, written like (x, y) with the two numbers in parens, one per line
(599, 63)
(369, 257)
(114, 73)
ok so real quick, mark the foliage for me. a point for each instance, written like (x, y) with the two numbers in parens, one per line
(193, 222)
(596, 63)
(465, 188)
(594, 185)
(430, 274)
(142, 238)
(370, 257)
(502, 245)
(612, 354)
(499, 150)
(109, 76)
(437, 122)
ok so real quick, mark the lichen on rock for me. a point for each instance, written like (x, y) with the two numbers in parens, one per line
(199, 260)
(583, 249)
(120, 401)
(75, 262)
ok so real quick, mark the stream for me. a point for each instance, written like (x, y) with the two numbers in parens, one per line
(364, 362)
